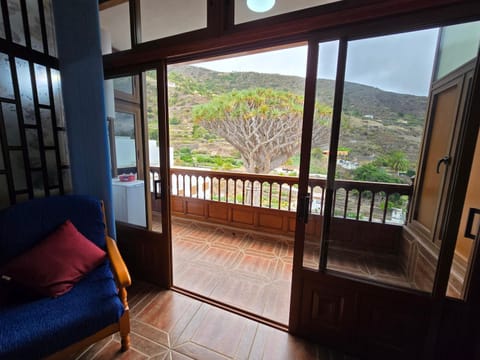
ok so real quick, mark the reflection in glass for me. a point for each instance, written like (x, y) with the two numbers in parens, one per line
(18, 170)
(326, 74)
(34, 25)
(4, 197)
(115, 25)
(244, 14)
(33, 148)
(125, 140)
(52, 169)
(63, 148)
(387, 82)
(166, 18)
(47, 127)
(16, 21)
(37, 183)
(153, 146)
(42, 84)
(2, 27)
(25, 85)
(458, 45)
(50, 27)
(6, 85)
(124, 84)
(57, 97)
(9, 113)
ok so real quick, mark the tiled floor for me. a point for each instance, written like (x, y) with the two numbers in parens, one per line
(170, 326)
(243, 269)
(253, 271)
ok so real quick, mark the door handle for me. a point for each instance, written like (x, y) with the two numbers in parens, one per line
(156, 194)
(445, 160)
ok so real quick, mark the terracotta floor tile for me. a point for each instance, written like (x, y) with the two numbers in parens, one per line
(150, 332)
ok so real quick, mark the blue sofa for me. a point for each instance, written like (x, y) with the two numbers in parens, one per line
(94, 308)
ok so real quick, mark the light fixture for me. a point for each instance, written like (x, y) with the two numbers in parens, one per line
(260, 6)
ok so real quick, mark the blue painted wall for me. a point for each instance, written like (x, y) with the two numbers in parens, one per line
(79, 52)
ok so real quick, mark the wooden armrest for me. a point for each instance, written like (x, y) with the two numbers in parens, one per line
(120, 271)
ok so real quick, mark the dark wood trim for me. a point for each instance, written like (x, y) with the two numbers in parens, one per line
(6, 22)
(163, 138)
(307, 128)
(21, 122)
(135, 23)
(333, 147)
(28, 54)
(146, 150)
(53, 117)
(26, 28)
(43, 26)
(348, 20)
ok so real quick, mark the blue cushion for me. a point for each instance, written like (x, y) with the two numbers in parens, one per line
(36, 329)
(25, 224)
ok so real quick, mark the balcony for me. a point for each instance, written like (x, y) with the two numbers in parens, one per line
(233, 235)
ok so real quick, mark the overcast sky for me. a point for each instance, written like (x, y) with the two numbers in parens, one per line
(399, 63)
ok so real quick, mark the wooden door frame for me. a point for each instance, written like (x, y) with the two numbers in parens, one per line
(147, 253)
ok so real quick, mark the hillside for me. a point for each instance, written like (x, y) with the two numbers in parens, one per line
(374, 121)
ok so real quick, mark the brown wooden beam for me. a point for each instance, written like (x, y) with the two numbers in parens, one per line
(342, 19)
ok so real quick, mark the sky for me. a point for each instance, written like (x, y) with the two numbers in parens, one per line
(399, 63)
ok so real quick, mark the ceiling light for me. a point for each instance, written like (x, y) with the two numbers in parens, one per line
(260, 6)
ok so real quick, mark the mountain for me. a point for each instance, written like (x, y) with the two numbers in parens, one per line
(374, 122)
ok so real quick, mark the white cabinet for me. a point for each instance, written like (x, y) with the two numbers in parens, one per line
(129, 201)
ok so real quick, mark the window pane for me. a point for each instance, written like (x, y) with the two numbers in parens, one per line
(9, 112)
(258, 9)
(33, 148)
(48, 139)
(25, 85)
(166, 18)
(6, 86)
(16, 22)
(124, 84)
(67, 181)
(18, 170)
(387, 83)
(34, 24)
(63, 148)
(42, 84)
(458, 45)
(125, 140)
(115, 28)
(50, 27)
(57, 97)
(4, 197)
(37, 182)
(52, 170)
(2, 27)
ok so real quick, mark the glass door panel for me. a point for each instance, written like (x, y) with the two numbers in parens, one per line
(154, 163)
(128, 183)
(387, 82)
(325, 92)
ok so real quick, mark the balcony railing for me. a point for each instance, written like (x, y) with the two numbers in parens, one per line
(357, 200)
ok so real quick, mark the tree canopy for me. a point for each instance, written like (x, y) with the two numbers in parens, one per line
(264, 125)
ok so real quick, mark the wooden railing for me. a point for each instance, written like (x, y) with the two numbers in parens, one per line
(356, 200)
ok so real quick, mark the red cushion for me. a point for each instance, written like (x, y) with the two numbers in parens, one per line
(54, 265)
